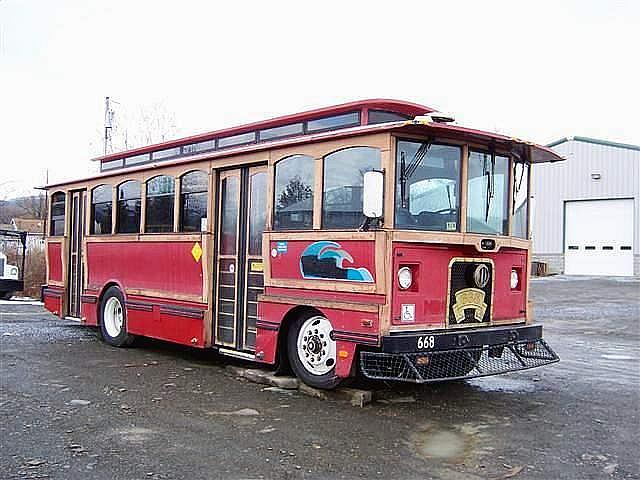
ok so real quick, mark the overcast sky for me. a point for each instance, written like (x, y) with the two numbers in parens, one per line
(539, 70)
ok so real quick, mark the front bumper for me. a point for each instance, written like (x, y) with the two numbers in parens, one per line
(422, 357)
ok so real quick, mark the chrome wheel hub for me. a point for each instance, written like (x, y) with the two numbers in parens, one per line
(316, 348)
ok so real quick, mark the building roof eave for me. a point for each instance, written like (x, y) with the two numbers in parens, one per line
(595, 141)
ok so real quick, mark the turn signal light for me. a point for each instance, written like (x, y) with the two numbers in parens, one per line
(343, 354)
(422, 360)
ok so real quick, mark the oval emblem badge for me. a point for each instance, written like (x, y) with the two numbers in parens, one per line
(481, 275)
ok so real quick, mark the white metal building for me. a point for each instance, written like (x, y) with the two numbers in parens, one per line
(586, 216)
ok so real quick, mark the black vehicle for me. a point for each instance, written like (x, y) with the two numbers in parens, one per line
(13, 244)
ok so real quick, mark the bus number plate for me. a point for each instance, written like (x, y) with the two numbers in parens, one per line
(426, 342)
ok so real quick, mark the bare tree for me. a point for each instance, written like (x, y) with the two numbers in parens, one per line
(32, 206)
(137, 127)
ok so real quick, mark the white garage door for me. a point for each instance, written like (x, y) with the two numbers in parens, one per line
(599, 237)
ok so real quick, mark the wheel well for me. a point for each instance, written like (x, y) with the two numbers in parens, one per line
(282, 360)
(101, 296)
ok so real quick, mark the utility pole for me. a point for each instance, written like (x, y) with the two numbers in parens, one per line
(108, 125)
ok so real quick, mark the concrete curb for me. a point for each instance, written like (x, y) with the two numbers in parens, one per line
(357, 397)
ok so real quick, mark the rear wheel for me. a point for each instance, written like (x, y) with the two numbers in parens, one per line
(113, 319)
(312, 351)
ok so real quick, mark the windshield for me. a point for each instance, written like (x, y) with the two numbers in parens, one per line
(487, 194)
(427, 186)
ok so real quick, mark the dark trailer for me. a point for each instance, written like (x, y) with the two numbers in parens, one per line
(13, 249)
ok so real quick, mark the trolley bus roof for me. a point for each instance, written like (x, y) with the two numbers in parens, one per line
(414, 120)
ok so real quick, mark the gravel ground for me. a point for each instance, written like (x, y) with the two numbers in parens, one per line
(72, 407)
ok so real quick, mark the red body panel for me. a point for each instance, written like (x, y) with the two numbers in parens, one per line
(52, 298)
(430, 288)
(350, 327)
(54, 254)
(158, 266)
(178, 322)
(89, 311)
(326, 295)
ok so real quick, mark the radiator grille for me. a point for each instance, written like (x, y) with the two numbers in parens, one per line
(462, 280)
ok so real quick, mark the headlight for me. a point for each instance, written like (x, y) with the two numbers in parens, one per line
(514, 279)
(405, 278)
(13, 271)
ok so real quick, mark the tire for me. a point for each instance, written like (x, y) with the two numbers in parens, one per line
(113, 319)
(6, 295)
(312, 352)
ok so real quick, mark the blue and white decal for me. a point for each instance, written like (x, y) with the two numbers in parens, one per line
(326, 260)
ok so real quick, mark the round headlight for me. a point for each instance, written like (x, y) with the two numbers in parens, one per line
(14, 271)
(514, 279)
(405, 278)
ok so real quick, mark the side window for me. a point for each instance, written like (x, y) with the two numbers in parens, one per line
(293, 202)
(342, 192)
(193, 201)
(57, 214)
(383, 116)
(101, 207)
(159, 207)
(520, 200)
(128, 214)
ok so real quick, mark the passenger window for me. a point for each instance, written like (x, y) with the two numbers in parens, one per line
(294, 193)
(57, 214)
(383, 116)
(193, 201)
(101, 208)
(342, 193)
(159, 207)
(129, 204)
(345, 120)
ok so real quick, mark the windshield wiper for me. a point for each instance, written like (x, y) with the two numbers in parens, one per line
(407, 172)
(489, 170)
(517, 184)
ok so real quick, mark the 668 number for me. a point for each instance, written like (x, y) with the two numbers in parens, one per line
(426, 342)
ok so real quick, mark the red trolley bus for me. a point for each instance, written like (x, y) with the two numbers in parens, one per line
(375, 237)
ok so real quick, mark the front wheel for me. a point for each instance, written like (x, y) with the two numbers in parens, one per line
(312, 351)
(113, 319)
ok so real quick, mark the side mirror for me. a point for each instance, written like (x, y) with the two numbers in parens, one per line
(373, 194)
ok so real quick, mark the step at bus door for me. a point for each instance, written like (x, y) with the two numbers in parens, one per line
(242, 200)
(76, 238)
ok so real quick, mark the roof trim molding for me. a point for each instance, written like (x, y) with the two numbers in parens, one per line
(595, 141)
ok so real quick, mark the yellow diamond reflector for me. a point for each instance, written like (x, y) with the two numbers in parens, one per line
(196, 251)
